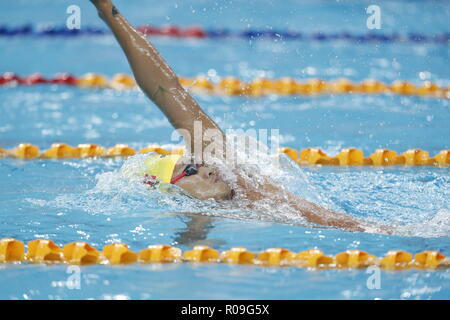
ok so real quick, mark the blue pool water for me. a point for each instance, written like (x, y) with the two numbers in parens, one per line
(71, 200)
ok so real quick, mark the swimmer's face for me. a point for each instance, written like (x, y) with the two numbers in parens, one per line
(206, 184)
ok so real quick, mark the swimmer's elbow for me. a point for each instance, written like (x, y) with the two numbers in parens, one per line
(158, 88)
(170, 82)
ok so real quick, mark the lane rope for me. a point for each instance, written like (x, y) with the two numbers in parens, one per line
(308, 156)
(199, 32)
(82, 253)
(232, 86)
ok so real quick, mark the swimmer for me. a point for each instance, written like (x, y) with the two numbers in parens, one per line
(201, 181)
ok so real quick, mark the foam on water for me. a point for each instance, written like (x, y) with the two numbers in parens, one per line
(412, 202)
(437, 226)
(121, 192)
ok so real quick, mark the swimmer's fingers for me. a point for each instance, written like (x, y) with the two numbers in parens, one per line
(102, 4)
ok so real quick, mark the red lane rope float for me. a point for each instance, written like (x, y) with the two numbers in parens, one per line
(232, 86)
(82, 253)
(308, 156)
(174, 31)
(10, 78)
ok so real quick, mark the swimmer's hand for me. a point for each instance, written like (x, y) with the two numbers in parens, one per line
(101, 3)
(105, 8)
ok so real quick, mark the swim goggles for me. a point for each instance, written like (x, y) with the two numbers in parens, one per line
(190, 170)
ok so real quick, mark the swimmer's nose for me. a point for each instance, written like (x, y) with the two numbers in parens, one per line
(210, 173)
(205, 171)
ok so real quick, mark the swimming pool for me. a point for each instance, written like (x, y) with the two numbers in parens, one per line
(70, 200)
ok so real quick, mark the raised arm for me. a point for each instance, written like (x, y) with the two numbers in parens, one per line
(153, 75)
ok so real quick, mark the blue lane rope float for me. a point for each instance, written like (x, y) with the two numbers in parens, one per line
(220, 33)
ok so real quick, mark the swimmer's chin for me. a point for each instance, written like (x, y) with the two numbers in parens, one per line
(202, 189)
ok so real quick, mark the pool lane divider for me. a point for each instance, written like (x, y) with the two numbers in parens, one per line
(199, 32)
(308, 156)
(232, 86)
(45, 251)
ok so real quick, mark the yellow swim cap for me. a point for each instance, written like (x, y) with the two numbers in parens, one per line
(161, 166)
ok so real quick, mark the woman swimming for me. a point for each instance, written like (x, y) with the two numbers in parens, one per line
(200, 180)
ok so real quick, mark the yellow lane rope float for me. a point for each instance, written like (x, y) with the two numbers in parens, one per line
(308, 156)
(82, 253)
(233, 86)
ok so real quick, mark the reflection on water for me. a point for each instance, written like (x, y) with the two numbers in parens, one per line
(196, 230)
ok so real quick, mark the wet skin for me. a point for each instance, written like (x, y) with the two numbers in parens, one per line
(206, 184)
(158, 81)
